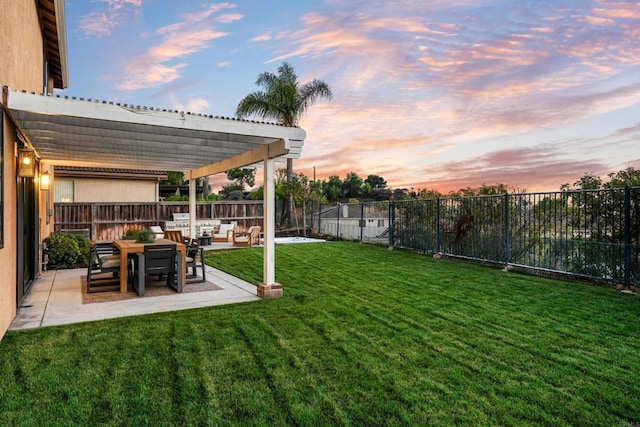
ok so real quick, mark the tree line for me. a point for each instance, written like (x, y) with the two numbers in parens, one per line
(374, 187)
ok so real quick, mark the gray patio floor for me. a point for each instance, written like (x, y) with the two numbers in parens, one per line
(56, 297)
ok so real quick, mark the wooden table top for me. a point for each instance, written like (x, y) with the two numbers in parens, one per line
(132, 245)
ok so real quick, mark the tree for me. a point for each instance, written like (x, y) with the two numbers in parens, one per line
(587, 182)
(352, 186)
(333, 188)
(376, 181)
(242, 176)
(284, 99)
(174, 178)
(627, 177)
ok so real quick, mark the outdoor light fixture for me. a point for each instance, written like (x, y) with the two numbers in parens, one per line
(45, 178)
(26, 163)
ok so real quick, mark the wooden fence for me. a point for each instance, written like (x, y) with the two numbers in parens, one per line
(107, 221)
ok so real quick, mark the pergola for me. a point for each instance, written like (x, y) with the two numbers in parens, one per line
(88, 133)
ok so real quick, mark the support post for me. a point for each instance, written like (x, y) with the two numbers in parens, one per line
(269, 288)
(192, 208)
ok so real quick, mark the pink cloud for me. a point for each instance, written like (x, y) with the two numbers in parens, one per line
(101, 23)
(97, 24)
(262, 37)
(192, 34)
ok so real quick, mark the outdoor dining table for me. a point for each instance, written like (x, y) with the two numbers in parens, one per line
(128, 247)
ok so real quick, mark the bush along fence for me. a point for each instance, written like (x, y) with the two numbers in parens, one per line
(592, 234)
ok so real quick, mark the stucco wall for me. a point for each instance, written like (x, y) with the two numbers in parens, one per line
(21, 61)
(21, 57)
(8, 259)
(114, 190)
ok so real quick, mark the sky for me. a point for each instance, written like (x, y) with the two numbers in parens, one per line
(438, 94)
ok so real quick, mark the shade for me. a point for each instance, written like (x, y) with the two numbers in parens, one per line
(87, 133)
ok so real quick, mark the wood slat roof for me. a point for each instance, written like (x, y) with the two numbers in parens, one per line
(99, 134)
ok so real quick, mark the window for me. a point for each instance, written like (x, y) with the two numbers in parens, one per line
(63, 190)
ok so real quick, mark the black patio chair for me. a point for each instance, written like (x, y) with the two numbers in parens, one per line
(160, 260)
(195, 259)
(103, 273)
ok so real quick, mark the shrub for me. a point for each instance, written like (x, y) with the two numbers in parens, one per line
(131, 231)
(84, 246)
(63, 250)
(145, 236)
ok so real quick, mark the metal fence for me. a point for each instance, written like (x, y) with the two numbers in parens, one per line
(588, 233)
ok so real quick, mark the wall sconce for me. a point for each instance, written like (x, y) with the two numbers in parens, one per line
(26, 163)
(45, 180)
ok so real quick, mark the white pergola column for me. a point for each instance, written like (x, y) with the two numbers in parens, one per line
(269, 288)
(192, 208)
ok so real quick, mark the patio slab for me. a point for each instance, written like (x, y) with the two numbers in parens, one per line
(56, 299)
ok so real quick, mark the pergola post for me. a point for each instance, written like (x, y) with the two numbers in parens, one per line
(192, 208)
(269, 288)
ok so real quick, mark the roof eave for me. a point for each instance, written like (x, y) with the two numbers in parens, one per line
(62, 44)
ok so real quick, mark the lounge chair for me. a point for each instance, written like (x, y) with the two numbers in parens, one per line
(225, 232)
(158, 231)
(174, 235)
(249, 238)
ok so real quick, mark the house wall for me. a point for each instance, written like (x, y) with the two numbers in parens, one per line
(21, 67)
(8, 254)
(88, 190)
(21, 46)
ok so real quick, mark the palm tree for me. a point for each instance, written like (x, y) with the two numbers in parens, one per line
(285, 100)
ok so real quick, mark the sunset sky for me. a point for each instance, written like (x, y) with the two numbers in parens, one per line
(438, 94)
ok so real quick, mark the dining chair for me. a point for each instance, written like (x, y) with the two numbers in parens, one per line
(195, 259)
(160, 260)
(103, 269)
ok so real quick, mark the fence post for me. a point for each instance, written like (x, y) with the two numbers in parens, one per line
(313, 205)
(361, 221)
(627, 237)
(392, 222)
(437, 224)
(338, 222)
(319, 218)
(506, 230)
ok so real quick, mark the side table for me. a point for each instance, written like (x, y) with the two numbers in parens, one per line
(204, 240)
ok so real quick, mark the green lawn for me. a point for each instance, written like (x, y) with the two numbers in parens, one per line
(363, 336)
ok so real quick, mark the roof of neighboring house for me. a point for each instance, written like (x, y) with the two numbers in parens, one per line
(73, 171)
(55, 41)
(353, 212)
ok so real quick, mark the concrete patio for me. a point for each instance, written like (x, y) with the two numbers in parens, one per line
(56, 296)
(56, 299)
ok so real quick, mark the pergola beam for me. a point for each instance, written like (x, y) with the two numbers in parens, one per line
(273, 150)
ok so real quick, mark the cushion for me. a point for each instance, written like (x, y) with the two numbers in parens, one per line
(110, 263)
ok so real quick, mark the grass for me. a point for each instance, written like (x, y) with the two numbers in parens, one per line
(363, 336)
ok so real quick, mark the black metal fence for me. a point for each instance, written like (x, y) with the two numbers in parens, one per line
(587, 233)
